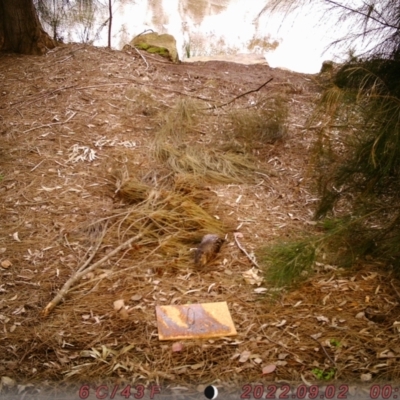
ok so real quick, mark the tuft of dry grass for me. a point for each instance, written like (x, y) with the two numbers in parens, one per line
(172, 147)
(177, 123)
(253, 128)
(168, 219)
(141, 101)
(210, 164)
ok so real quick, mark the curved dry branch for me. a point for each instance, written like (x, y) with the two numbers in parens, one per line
(78, 275)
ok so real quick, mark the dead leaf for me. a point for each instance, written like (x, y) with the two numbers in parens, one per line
(6, 264)
(136, 297)
(15, 236)
(316, 335)
(251, 276)
(210, 287)
(18, 311)
(4, 319)
(279, 324)
(177, 347)
(244, 356)
(321, 318)
(305, 381)
(268, 369)
(197, 366)
(89, 275)
(325, 299)
(370, 275)
(123, 313)
(48, 189)
(311, 222)
(2, 250)
(366, 377)
(118, 304)
(228, 272)
(360, 315)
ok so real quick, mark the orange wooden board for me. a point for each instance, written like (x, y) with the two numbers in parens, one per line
(194, 321)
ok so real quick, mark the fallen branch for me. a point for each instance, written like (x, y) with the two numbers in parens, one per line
(88, 261)
(236, 235)
(65, 88)
(323, 348)
(282, 345)
(48, 125)
(78, 275)
(141, 55)
(241, 95)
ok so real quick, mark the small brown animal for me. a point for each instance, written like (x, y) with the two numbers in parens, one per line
(209, 247)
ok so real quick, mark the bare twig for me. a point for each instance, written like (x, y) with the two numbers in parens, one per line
(28, 283)
(323, 348)
(66, 88)
(354, 10)
(36, 166)
(78, 275)
(244, 251)
(265, 175)
(141, 55)
(87, 262)
(45, 94)
(48, 125)
(241, 95)
(394, 288)
(282, 345)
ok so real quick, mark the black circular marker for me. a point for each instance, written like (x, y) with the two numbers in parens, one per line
(211, 392)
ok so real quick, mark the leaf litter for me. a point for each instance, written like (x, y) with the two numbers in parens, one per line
(74, 189)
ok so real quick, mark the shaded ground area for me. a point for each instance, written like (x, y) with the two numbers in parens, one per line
(81, 122)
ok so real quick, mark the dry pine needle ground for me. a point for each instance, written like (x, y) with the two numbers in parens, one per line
(80, 175)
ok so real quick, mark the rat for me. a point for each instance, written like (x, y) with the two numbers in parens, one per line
(208, 249)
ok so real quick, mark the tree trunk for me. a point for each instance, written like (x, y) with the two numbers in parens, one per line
(20, 28)
(109, 23)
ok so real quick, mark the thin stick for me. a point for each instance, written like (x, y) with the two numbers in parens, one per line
(66, 88)
(391, 282)
(45, 94)
(87, 262)
(281, 344)
(120, 271)
(141, 55)
(323, 348)
(36, 166)
(241, 95)
(48, 125)
(78, 275)
(245, 252)
(265, 175)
